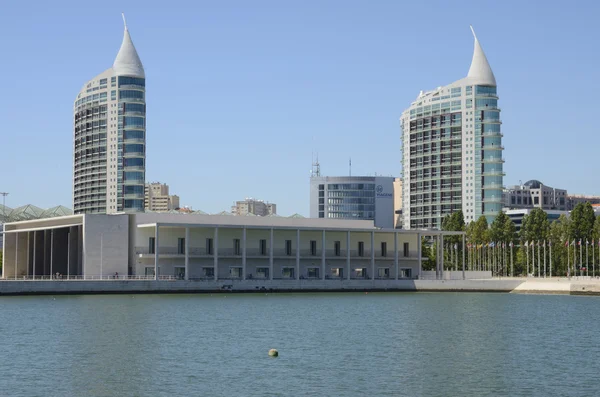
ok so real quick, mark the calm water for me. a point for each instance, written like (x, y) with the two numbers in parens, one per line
(376, 344)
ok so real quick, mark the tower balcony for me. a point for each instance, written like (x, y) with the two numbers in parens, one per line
(492, 147)
(493, 199)
(493, 173)
(492, 134)
(493, 160)
(493, 186)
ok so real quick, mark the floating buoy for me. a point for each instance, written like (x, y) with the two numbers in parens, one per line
(273, 353)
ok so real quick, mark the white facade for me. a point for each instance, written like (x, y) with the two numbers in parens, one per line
(353, 197)
(208, 247)
(452, 150)
(110, 138)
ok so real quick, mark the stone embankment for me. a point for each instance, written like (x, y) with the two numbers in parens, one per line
(573, 286)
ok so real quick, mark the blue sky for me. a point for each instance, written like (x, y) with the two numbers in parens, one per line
(241, 93)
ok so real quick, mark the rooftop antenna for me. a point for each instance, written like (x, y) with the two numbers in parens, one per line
(350, 166)
(316, 168)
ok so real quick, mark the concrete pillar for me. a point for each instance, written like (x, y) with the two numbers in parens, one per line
(216, 254)
(372, 255)
(156, 251)
(187, 254)
(419, 253)
(437, 256)
(463, 256)
(16, 253)
(28, 253)
(51, 253)
(244, 238)
(298, 254)
(271, 256)
(323, 251)
(396, 255)
(442, 258)
(34, 254)
(348, 270)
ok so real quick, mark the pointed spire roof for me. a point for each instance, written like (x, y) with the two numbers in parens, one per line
(127, 62)
(480, 71)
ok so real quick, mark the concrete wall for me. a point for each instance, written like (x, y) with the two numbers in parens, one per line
(105, 244)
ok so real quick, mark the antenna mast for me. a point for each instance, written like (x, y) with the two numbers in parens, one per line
(316, 168)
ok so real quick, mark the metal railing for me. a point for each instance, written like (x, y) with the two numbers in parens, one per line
(97, 277)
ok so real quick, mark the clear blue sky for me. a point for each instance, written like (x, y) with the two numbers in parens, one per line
(240, 93)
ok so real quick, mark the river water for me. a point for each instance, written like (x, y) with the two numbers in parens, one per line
(351, 344)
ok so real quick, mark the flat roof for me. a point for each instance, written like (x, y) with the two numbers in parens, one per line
(331, 229)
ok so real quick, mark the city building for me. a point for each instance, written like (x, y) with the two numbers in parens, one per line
(158, 199)
(109, 169)
(534, 194)
(253, 207)
(397, 203)
(452, 150)
(574, 199)
(211, 247)
(517, 215)
(353, 197)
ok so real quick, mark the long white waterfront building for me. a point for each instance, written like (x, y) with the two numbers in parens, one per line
(452, 150)
(210, 247)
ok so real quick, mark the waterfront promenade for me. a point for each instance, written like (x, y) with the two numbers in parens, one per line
(563, 285)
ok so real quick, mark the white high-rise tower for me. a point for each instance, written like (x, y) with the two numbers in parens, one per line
(110, 137)
(452, 150)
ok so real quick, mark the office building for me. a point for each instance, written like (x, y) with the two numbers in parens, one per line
(517, 215)
(452, 150)
(158, 199)
(353, 197)
(574, 199)
(534, 194)
(251, 206)
(109, 169)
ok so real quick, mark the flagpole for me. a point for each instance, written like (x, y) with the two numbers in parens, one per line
(587, 272)
(539, 261)
(550, 248)
(574, 258)
(512, 274)
(580, 258)
(568, 260)
(544, 258)
(527, 251)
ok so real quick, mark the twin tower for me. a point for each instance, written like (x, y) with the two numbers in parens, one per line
(451, 145)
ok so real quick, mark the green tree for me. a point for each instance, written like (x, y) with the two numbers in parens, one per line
(596, 231)
(535, 226)
(558, 235)
(502, 229)
(478, 232)
(582, 222)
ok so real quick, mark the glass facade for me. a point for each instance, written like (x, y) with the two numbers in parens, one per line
(131, 128)
(350, 201)
(487, 130)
